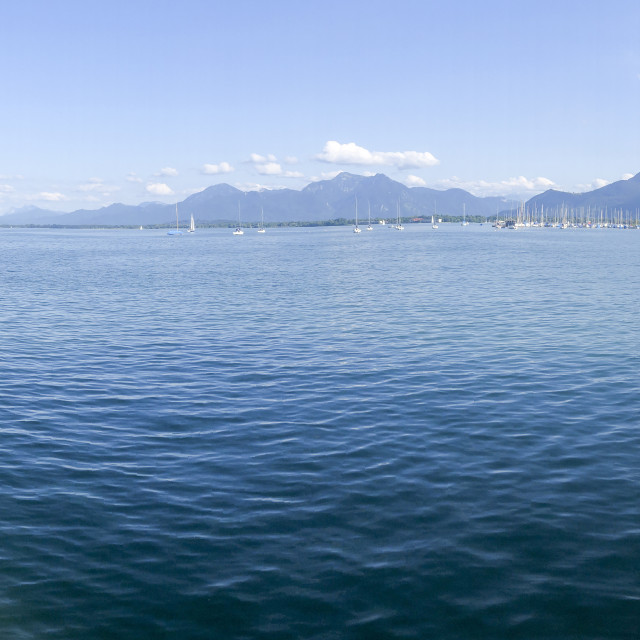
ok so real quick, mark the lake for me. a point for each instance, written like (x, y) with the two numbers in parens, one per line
(311, 433)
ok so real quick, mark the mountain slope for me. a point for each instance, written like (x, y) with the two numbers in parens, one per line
(623, 194)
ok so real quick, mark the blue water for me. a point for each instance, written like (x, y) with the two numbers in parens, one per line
(315, 434)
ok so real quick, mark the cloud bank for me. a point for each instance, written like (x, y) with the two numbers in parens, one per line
(598, 183)
(350, 153)
(516, 186)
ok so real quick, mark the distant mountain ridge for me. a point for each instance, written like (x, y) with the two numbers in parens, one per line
(325, 200)
(622, 194)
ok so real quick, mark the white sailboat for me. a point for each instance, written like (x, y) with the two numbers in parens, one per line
(464, 222)
(399, 226)
(433, 222)
(238, 231)
(356, 228)
(261, 228)
(192, 226)
(369, 227)
(176, 231)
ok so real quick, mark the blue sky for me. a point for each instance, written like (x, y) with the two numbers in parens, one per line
(114, 101)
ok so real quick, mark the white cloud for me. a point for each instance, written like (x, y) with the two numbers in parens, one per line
(6, 188)
(598, 183)
(159, 189)
(132, 177)
(168, 171)
(274, 169)
(533, 184)
(213, 169)
(269, 169)
(269, 166)
(415, 181)
(511, 187)
(49, 196)
(256, 158)
(350, 153)
(291, 160)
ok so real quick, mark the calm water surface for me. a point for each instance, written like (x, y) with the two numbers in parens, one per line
(317, 434)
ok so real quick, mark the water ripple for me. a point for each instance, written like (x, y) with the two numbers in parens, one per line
(319, 436)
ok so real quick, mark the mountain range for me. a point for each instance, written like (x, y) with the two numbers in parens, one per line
(623, 194)
(323, 201)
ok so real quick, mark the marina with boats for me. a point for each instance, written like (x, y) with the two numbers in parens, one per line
(565, 218)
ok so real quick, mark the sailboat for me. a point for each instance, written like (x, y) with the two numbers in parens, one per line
(356, 228)
(261, 228)
(369, 227)
(433, 222)
(399, 226)
(192, 226)
(464, 222)
(238, 231)
(176, 231)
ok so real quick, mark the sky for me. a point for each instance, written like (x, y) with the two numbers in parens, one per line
(105, 101)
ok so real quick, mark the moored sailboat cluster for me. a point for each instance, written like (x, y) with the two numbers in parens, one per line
(561, 217)
(570, 218)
